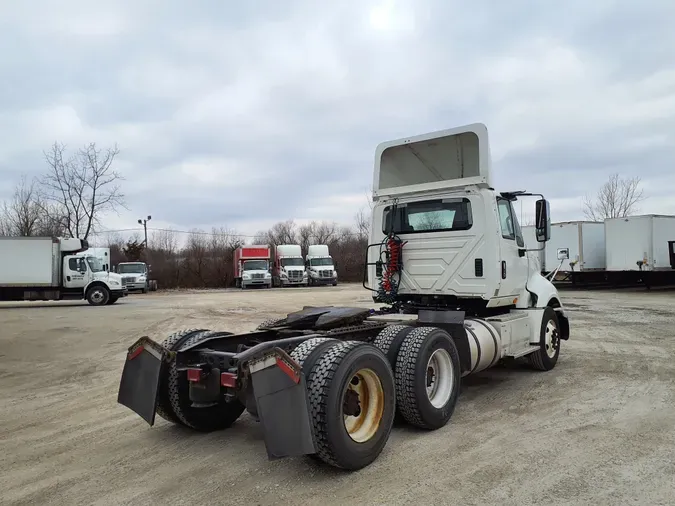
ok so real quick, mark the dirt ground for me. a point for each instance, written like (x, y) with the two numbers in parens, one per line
(598, 429)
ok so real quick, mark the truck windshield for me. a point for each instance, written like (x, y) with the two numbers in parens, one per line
(131, 268)
(315, 262)
(291, 262)
(95, 264)
(255, 265)
(441, 215)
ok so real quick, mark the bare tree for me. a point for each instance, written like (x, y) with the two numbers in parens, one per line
(617, 198)
(26, 214)
(83, 187)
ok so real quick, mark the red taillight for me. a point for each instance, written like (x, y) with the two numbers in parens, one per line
(194, 374)
(228, 379)
(135, 353)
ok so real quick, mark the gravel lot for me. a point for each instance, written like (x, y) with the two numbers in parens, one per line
(598, 429)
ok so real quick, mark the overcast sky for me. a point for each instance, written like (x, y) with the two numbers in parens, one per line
(242, 114)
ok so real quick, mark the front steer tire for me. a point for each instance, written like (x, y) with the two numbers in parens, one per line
(546, 357)
(98, 295)
(329, 379)
(418, 406)
(174, 403)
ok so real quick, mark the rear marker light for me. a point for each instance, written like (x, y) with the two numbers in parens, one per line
(228, 379)
(288, 370)
(135, 353)
(194, 374)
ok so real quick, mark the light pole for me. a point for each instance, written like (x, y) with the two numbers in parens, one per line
(145, 229)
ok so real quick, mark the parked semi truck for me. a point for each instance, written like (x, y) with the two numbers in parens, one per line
(320, 266)
(455, 292)
(137, 276)
(252, 266)
(55, 268)
(288, 266)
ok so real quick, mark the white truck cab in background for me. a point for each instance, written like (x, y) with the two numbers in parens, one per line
(289, 266)
(103, 254)
(321, 268)
(135, 275)
(55, 268)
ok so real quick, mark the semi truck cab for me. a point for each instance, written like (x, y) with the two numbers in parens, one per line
(135, 275)
(255, 272)
(321, 268)
(87, 272)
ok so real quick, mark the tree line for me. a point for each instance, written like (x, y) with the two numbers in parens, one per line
(206, 259)
(75, 193)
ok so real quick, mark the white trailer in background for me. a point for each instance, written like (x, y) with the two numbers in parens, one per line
(576, 246)
(103, 254)
(530, 238)
(640, 243)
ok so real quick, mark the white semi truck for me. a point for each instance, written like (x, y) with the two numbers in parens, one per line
(321, 268)
(456, 291)
(54, 268)
(288, 268)
(136, 275)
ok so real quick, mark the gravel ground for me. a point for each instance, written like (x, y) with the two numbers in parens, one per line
(598, 429)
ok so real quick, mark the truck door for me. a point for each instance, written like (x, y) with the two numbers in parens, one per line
(75, 272)
(514, 261)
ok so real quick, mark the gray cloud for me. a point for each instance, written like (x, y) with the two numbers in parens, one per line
(245, 114)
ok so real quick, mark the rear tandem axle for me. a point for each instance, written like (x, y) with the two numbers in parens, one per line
(326, 381)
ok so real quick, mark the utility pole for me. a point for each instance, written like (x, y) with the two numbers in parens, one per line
(145, 229)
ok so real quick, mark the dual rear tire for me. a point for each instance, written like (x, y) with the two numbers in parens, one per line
(427, 372)
(352, 400)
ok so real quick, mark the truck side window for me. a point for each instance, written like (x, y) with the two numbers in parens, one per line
(72, 264)
(509, 223)
(505, 219)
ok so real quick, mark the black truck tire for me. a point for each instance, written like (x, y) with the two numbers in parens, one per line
(174, 402)
(389, 340)
(428, 358)
(352, 378)
(271, 322)
(98, 295)
(308, 352)
(113, 299)
(546, 357)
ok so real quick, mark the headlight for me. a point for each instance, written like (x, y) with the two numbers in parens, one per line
(284, 275)
(114, 282)
(141, 279)
(246, 276)
(304, 274)
(267, 275)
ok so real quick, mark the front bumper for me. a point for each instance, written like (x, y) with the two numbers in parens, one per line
(136, 286)
(324, 281)
(293, 281)
(256, 282)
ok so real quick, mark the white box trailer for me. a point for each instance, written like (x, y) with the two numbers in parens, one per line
(584, 242)
(54, 268)
(532, 243)
(640, 243)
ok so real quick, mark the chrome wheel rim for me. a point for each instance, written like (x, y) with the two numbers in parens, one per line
(551, 339)
(440, 378)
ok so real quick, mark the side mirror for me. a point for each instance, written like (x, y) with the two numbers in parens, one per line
(542, 227)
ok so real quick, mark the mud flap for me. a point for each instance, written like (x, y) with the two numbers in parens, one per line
(283, 408)
(139, 385)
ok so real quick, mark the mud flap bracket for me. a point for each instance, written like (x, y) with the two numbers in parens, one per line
(282, 402)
